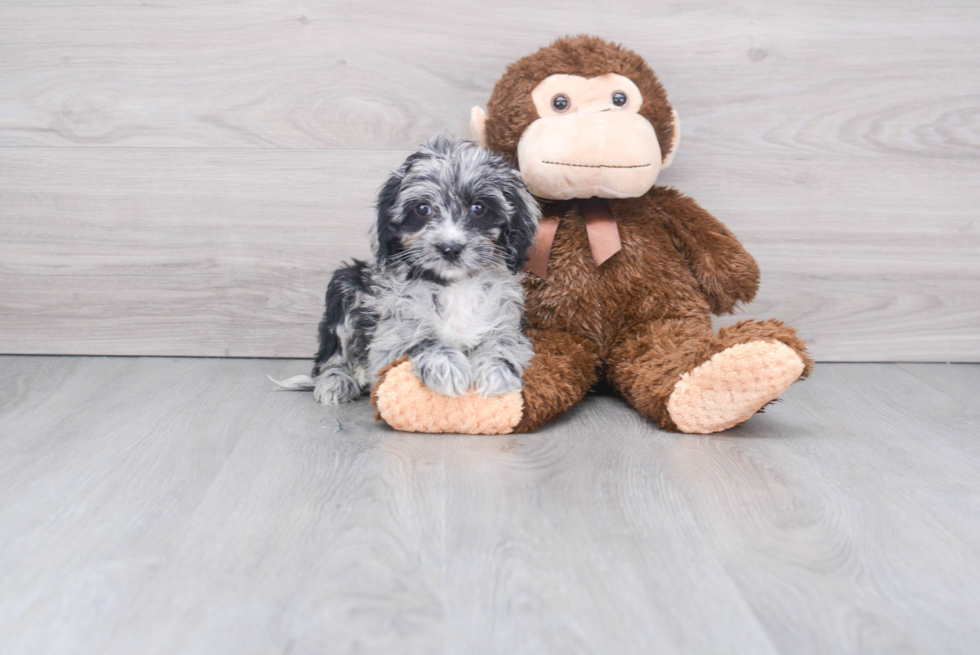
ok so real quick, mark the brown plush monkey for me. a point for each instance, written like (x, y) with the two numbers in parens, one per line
(625, 274)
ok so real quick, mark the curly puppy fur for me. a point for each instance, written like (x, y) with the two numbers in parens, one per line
(454, 224)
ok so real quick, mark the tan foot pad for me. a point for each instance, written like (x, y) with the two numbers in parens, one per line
(408, 405)
(732, 386)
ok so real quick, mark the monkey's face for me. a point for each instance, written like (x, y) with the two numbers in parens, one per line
(589, 140)
(597, 122)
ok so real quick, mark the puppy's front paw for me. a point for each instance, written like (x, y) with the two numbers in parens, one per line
(445, 371)
(495, 376)
(334, 386)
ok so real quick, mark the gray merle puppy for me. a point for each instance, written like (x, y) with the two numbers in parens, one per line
(454, 224)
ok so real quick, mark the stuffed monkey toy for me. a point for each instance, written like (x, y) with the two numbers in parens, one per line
(624, 275)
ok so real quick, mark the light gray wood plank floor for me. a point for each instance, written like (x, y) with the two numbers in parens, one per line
(186, 506)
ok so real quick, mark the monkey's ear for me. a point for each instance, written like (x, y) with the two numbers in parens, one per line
(674, 141)
(478, 125)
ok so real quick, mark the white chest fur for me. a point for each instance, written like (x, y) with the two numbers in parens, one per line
(461, 311)
(468, 311)
(466, 314)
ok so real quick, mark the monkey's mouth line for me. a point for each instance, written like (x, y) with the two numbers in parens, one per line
(558, 163)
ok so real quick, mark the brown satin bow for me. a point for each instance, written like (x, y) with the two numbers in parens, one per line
(599, 224)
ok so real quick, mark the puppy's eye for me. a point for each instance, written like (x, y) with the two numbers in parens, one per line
(478, 209)
(619, 99)
(417, 217)
(560, 102)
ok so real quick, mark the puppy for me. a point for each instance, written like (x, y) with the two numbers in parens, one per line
(454, 224)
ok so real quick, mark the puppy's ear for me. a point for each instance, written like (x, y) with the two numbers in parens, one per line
(518, 233)
(385, 230)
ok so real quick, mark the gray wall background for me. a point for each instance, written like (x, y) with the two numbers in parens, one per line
(180, 178)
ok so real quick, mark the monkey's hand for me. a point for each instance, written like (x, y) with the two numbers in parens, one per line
(726, 272)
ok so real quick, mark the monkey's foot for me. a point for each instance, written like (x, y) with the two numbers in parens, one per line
(408, 405)
(732, 386)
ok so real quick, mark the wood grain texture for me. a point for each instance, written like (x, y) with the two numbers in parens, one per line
(179, 178)
(211, 252)
(818, 78)
(161, 505)
(163, 251)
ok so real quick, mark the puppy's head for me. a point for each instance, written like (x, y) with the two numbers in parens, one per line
(454, 209)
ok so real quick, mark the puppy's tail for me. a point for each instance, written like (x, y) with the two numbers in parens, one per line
(295, 383)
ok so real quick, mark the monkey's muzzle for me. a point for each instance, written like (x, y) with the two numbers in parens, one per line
(605, 154)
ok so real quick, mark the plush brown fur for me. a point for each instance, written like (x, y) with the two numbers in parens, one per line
(510, 109)
(643, 318)
(645, 314)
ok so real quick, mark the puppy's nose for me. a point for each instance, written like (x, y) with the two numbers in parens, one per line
(450, 250)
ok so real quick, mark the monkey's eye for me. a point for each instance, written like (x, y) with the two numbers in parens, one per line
(478, 209)
(560, 103)
(619, 99)
(422, 210)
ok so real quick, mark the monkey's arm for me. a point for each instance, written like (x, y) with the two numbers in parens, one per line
(726, 272)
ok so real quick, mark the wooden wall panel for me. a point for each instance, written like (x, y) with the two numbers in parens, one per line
(878, 78)
(180, 178)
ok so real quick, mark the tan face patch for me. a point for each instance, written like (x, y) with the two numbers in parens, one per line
(586, 94)
(589, 140)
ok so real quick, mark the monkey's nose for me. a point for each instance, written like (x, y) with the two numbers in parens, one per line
(450, 250)
(594, 107)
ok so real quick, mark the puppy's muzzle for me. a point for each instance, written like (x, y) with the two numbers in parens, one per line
(450, 250)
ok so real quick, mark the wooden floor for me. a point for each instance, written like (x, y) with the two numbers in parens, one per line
(186, 506)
